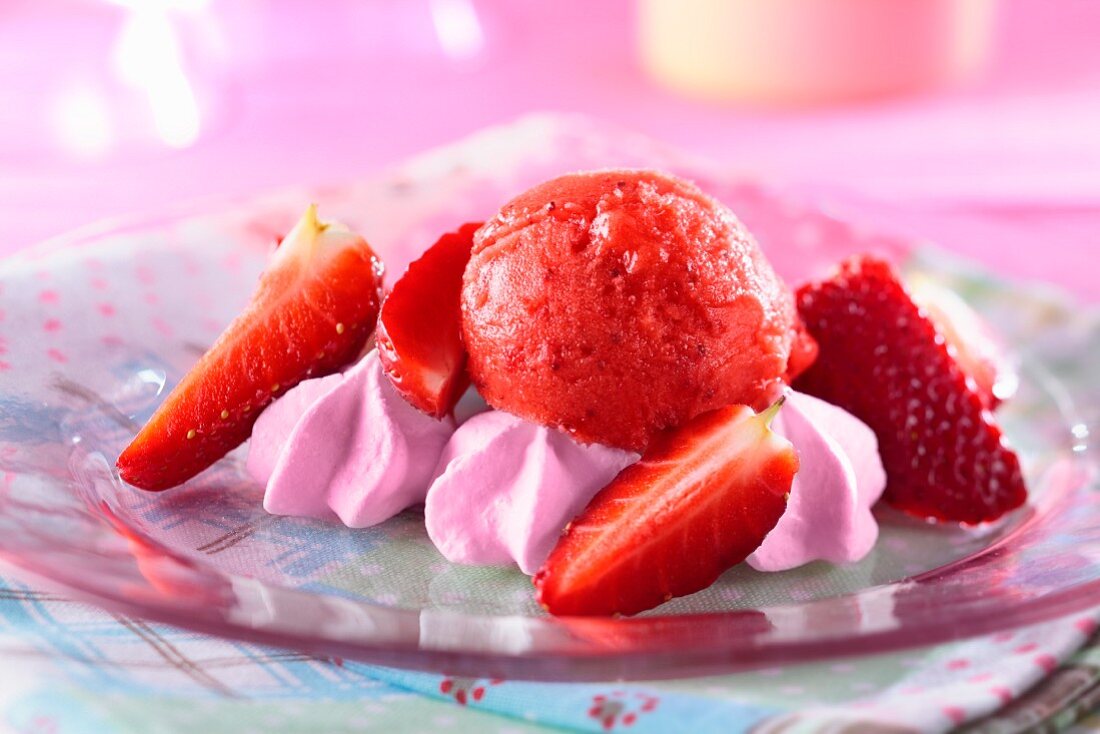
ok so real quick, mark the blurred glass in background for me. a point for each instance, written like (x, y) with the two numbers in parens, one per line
(794, 52)
(123, 107)
(91, 78)
(105, 75)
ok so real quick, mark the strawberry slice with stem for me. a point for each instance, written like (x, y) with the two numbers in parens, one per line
(420, 327)
(886, 361)
(312, 313)
(699, 501)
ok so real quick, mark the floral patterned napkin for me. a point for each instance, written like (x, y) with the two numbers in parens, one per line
(69, 668)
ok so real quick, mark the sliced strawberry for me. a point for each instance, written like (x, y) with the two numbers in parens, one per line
(701, 499)
(883, 360)
(312, 312)
(420, 329)
(976, 349)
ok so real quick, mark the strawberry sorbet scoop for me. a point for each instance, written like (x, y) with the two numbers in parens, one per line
(618, 304)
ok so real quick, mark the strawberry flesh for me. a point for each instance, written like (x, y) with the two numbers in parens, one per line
(700, 500)
(313, 311)
(884, 360)
(420, 327)
(976, 349)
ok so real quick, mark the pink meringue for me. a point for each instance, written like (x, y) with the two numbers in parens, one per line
(840, 477)
(274, 426)
(499, 489)
(346, 445)
(506, 487)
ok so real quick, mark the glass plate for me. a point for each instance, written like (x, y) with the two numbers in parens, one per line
(95, 328)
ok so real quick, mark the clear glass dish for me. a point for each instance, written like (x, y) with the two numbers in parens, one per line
(95, 328)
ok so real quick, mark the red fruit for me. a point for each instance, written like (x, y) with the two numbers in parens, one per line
(976, 349)
(803, 352)
(420, 327)
(701, 499)
(311, 314)
(883, 360)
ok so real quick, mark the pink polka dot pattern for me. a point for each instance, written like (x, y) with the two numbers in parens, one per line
(964, 681)
(956, 714)
(145, 275)
(1049, 663)
(57, 355)
(163, 327)
(51, 325)
(49, 296)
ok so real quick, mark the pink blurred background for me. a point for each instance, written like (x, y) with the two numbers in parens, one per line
(120, 108)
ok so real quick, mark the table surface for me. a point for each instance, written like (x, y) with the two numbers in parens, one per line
(1006, 171)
